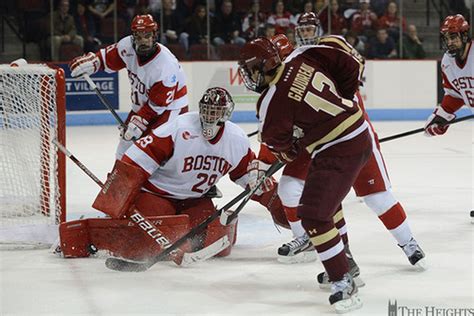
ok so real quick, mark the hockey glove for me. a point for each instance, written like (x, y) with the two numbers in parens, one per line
(84, 65)
(287, 155)
(136, 127)
(256, 171)
(435, 125)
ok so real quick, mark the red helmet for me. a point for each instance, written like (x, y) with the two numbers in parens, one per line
(144, 23)
(283, 45)
(307, 21)
(215, 107)
(259, 56)
(454, 25)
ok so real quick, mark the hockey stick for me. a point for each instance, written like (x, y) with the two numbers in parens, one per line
(253, 133)
(422, 129)
(128, 266)
(147, 227)
(228, 216)
(104, 101)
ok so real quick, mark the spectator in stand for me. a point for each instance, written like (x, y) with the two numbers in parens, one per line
(195, 30)
(100, 9)
(253, 21)
(172, 24)
(391, 21)
(270, 31)
(307, 7)
(291, 36)
(338, 23)
(382, 46)
(319, 5)
(280, 18)
(64, 30)
(355, 42)
(364, 21)
(412, 46)
(227, 28)
(85, 27)
(379, 6)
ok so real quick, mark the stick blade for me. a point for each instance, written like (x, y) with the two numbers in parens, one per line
(121, 265)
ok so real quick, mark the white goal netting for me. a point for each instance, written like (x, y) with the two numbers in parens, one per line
(31, 170)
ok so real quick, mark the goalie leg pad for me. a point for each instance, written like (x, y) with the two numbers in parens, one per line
(216, 230)
(119, 236)
(200, 209)
(74, 239)
(120, 190)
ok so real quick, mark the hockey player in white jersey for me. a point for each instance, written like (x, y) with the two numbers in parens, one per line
(158, 84)
(166, 175)
(457, 69)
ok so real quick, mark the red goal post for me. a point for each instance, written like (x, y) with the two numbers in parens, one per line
(33, 181)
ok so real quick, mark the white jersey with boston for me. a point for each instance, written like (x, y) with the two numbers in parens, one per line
(458, 80)
(160, 81)
(183, 164)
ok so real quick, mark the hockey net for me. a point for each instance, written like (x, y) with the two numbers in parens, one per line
(32, 181)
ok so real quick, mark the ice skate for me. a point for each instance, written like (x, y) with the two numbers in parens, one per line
(354, 271)
(415, 255)
(344, 296)
(299, 250)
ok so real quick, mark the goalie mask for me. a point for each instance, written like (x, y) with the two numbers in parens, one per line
(307, 29)
(215, 107)
(144, 35)
(258, 58)
(455, 35)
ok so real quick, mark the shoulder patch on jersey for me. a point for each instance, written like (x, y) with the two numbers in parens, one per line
(187, 135)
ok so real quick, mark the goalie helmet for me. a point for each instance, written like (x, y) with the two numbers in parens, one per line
(454, 27)
(144, 34)
(307, 29)
(258, 58)
(215, 108)
(283, 45)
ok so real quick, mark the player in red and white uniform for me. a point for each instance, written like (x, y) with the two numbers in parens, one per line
(301, 94)
(158, 83)
(171, 169)
(372, 183)
(457, 69)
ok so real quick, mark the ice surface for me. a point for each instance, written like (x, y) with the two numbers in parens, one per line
(432, 177)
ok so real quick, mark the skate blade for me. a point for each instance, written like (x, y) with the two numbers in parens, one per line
(357, 280)
(302, 257)
(347, 305)
(421, 265)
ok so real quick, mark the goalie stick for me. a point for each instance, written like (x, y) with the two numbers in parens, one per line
(129, 266)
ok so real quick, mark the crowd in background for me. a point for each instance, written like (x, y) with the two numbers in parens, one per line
(372, 26)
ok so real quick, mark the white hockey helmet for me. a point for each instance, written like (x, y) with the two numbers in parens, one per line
(215, 107)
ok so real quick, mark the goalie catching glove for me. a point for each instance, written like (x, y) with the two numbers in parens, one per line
(436, 123)
(87, 64)
(135, 129)
(256, 171)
